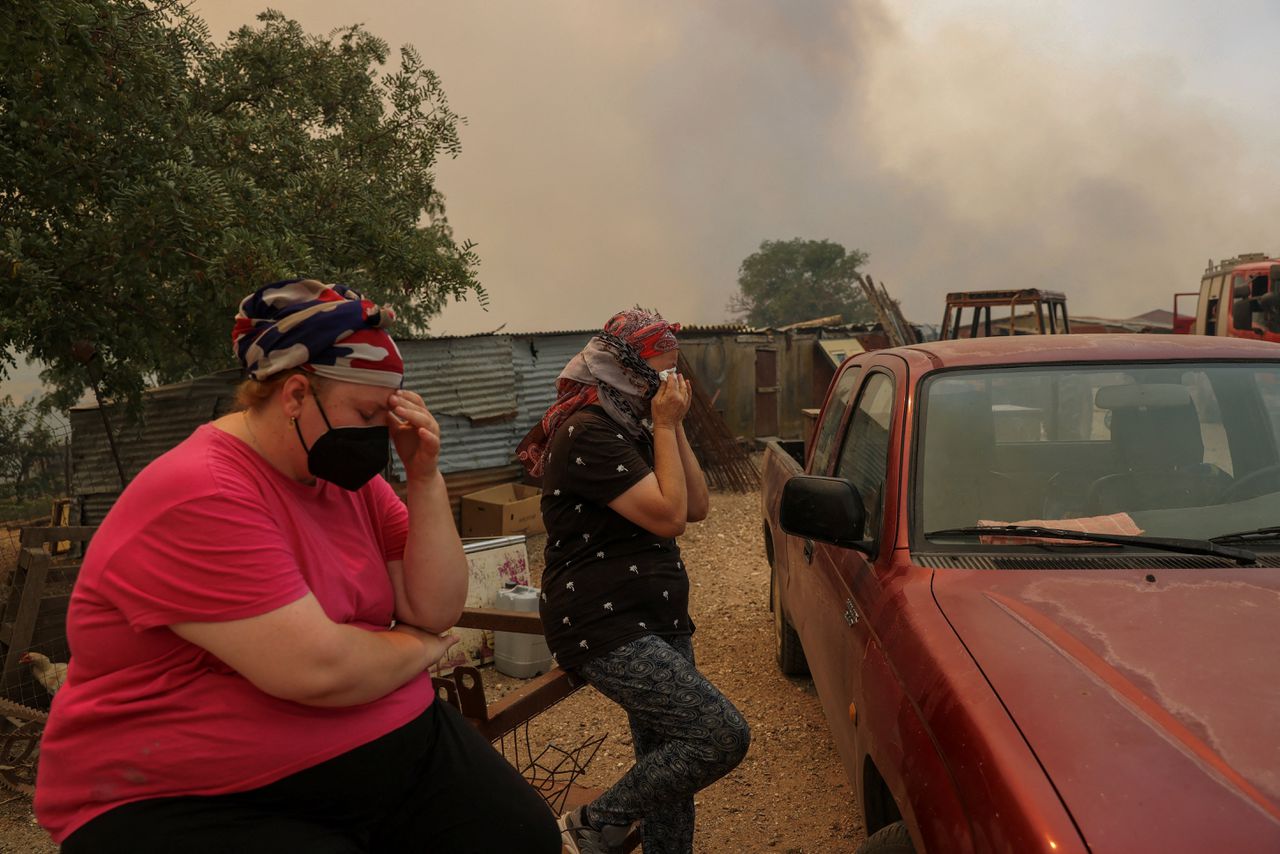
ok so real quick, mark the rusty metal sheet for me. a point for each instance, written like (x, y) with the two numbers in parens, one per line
(471, 378)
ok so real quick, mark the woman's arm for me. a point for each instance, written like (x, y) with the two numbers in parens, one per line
(430, 583)
(699, 499)
(659, 502)
(297, 653)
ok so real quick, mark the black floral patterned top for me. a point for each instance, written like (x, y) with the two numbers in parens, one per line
(607, 581)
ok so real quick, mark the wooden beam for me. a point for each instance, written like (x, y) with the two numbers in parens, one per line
(540, 694)
(520, 622)
(32, 537)
(33, 568)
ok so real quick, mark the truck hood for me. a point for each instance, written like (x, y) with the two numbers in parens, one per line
(1152, 703)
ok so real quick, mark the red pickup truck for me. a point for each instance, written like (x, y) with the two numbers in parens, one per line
(1037, 584)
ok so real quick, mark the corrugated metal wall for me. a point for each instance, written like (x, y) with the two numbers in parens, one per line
(93, 508)
(469, 384)
(513, 382)
(471, 378)
(169, 415)
(486, 391)
(538, 361)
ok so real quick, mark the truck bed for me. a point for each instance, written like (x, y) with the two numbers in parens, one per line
(793, 448)
(782, 459)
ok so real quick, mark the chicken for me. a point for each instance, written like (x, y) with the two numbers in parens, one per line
(50, 674)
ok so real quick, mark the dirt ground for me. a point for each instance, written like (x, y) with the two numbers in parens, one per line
(789, 795)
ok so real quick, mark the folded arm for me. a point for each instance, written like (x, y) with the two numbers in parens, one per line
(297, 653)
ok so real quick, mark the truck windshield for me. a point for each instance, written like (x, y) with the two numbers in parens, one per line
(1174, 450)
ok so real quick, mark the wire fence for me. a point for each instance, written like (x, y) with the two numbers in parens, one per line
(35, 484)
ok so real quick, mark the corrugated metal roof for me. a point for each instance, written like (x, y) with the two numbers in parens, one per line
(216, 383)
(703, 329)
(501, 331)
(468, 377)
(726, 328)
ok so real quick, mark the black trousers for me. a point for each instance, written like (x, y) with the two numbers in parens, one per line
(434, 785)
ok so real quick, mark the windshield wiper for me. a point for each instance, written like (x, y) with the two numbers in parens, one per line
(1193, 547)
(1271, 532)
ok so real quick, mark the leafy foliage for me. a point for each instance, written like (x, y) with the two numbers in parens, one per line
(31, 451)
(788, 281)
(149, 179)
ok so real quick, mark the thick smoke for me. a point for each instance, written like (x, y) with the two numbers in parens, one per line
(624, 153)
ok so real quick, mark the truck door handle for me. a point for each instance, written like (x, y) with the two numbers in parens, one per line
(808, 551)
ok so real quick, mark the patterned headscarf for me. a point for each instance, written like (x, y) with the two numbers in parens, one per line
(611, 370)
(329, 330)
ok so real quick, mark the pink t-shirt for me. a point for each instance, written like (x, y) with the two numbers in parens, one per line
(211, 532)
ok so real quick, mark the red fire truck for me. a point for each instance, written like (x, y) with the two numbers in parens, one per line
(1238, 297)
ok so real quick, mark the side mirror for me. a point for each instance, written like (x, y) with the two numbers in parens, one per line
(1242, 314)
(828, 509)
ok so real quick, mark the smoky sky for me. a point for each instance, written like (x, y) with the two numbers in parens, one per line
(622, 153)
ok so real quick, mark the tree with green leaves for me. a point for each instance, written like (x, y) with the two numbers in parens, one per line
(789, 281)
(150, 178)
(30, 451)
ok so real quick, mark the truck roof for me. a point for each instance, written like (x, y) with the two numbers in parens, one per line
(1023, 349)
(1249, 263)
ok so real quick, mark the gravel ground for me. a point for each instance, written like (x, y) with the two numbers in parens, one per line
(789, 795)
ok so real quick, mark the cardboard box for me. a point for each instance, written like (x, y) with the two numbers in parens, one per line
(510, 508)
(490, 564)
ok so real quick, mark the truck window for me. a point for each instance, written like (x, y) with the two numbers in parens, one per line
(1178, 447)
(1025, 408)
(865, 455)
(1266, 313)
(826, 436)
(1269, 395)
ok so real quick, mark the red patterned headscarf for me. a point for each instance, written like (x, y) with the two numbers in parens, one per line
(646, 333)
(611, 370)
(329, 330)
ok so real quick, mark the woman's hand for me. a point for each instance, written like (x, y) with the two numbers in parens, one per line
(671, 403)
(436, 645)
(415, 433)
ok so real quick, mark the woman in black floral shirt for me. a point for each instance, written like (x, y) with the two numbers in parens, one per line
(620, 483)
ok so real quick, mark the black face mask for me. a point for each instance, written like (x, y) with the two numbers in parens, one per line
(347, 456)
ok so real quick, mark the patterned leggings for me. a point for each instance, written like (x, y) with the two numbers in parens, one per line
(686, 735)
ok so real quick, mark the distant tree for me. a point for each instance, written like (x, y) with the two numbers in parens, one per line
(150, 178)
(788, 281)
(30, 452)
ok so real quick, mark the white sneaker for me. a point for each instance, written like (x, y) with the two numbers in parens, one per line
(579, 838)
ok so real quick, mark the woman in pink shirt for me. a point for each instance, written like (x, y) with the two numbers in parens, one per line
(252, 625)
